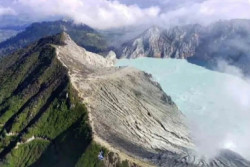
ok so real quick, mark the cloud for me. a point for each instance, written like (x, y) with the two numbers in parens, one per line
(142, 3)
(205, 12)
(215, 104)
(6, 11)
(226, 124)
(105, 14)
(238, 89)
(101, 14)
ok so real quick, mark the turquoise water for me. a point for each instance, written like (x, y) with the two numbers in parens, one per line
(216, 104)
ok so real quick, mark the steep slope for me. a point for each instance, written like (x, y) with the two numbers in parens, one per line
(224, 40)
(82, 34)
(126, 106)
(6, 34)
(40, 111)
(44, 89)
(41, 114)
(177, 42)
(42, 119)
(131, 114)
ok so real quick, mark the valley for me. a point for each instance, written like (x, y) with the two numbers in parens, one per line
(66, 95)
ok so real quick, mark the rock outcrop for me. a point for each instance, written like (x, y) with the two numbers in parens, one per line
(131, 114)
(62, 105)
(203, 45)
(128, 109)
(177, 42)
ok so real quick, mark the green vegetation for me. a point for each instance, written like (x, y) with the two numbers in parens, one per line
(123, 164)
(26, 154)
(89, 157)
(81, 34)
(43, 121)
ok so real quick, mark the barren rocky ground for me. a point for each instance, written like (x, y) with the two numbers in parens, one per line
(131, 114)
(128, 109)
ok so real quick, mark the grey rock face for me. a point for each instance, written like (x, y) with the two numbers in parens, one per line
(128, 109)
(228, 41)
(129, 112)
(226, 158)
(224, 40)
(178, 42)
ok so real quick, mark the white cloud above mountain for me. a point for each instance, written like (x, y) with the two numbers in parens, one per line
(207, 11)
(112, 13)
(99, 13)
(6, 11)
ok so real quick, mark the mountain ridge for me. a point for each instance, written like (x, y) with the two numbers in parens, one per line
(84, 35)
(43, 120)
(54, 94)
(203, 45)
(126, 107)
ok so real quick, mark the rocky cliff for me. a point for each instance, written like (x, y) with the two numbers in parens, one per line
(224, 40)
(127, 109)
(43, 121)
(62, 105)
(203, 45)
(130, 114)
(44, 90)
(177, 42)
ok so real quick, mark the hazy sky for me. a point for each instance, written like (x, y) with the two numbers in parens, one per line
(110, 13)
(163, 4)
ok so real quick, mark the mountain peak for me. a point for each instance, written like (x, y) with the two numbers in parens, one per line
(64, 37)
(154, 30)
(59, 39)
(68, 52)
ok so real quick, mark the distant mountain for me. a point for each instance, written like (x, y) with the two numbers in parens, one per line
(6, 34)
(117, 36)
(178, 42)
(82, 34)
(13, 22)
(46, 92)
(226, 40)
(61, 105)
